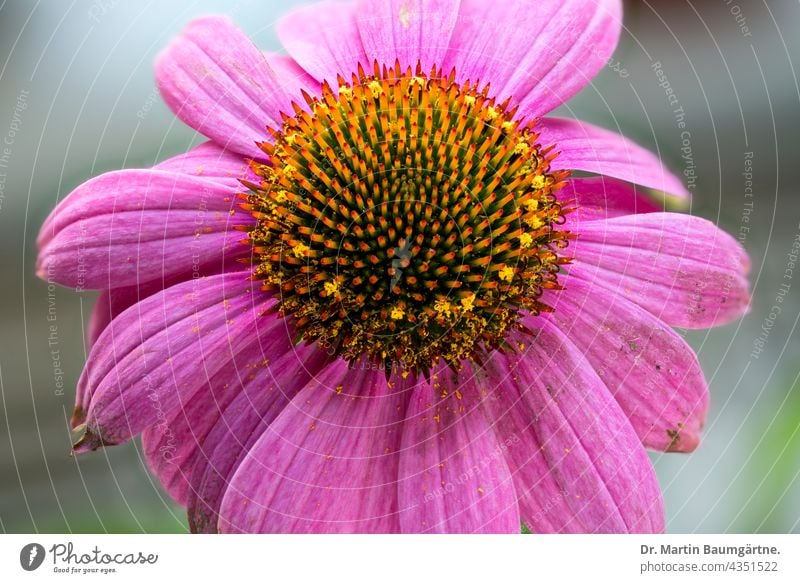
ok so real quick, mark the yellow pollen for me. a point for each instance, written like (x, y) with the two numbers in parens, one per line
(538, 182)
(468, 303)
(300, 250)
(525, 240)
(376, 87)
(397, 313)
(491, 113)
(289, 170)
(470, 100)
(345, 91)
(534, 222)
(532, 205)
(507, 273)
(331, 288)
(522, 147)
(508, 126)
(442, 307)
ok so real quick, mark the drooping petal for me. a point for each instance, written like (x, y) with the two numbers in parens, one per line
(682, 269)
(159, 352)
(109, 305)
(219, 169)
(112, 302)
(576, 461)
(327, 463)
(239, 426)
(324, 39)
(217, 82)
(171, 445)
(408, 31)
(601, 197)
(453, 476)
(126, 227)
(651, 371)
(538, 54)
(586, 147)
(141, 245)
(174, 446)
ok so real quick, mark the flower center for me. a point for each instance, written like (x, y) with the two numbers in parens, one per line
(407, 218)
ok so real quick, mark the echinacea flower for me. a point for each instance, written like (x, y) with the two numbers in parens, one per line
(380, 298)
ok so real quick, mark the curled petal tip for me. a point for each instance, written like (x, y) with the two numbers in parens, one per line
(681, 441)
(88, 440)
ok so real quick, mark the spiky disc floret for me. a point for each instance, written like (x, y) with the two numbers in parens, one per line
(406, 217)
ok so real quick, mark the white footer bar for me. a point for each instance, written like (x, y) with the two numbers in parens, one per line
(356, 558)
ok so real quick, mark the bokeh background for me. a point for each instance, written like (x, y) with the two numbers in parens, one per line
(77, 98)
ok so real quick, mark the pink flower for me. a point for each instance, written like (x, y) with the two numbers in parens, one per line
(390, 308)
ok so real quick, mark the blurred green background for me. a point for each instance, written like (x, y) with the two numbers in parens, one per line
(79, 75)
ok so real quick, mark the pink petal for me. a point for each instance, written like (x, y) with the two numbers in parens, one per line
(292, 77)
(576, 461)
(586, 147)
(600, 197)
(132, 226)
(161, 351)
(682, 269)
(112, 302)
(411, 31)
(142, 245)
(651, 371)
(212, 162)
(206, 174)
(539, 55)
(324, 39)
(328, 463)
(240, 425)
(219, 83)
(174, 446)
(453, 476)
(109, 304)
